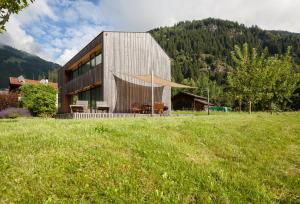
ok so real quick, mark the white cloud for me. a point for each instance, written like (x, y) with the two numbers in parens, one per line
(144, 15)
(75, 39)
(35, 13)
(16, 36)
(67, 54)
(57, 29)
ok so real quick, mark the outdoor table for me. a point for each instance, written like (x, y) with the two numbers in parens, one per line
(103, 109)
(77, 108)
(147, 108)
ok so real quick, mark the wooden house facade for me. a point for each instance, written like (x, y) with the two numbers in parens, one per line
(104, 71)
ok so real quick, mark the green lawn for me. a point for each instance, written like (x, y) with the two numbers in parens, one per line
(227, 158)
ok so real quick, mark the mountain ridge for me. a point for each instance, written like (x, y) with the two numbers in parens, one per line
(197, 44)
(14, 62)
(192, 45)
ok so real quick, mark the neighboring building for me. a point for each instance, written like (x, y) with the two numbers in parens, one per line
(107, 70)
(188, 101)
(16, 82)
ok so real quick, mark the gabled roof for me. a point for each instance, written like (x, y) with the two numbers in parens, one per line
(203, 102)
(194, 95)
(14, 81)
(98, 39)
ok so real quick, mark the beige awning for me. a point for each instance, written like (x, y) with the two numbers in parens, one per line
(159, 81)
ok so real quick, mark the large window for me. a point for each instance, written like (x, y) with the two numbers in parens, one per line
(92, 95)
(85, 67)
(98, 59)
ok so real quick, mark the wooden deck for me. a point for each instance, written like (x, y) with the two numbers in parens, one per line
(105, 115)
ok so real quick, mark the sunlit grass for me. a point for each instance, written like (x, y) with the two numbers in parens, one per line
(234, 158)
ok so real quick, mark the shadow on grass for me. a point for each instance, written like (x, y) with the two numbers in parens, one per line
(8, 120)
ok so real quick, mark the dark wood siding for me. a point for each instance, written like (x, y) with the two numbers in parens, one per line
(61, 90)
(90, 78)
(93, 77)
(184, 101)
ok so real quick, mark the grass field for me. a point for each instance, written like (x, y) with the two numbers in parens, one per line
(230, 158)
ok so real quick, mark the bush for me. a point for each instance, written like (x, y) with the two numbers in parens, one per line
(8, 100)
(14, 113)
(40, 99)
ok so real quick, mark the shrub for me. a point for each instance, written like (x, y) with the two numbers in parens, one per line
(14, 113)
(8, 100)
(40, 99)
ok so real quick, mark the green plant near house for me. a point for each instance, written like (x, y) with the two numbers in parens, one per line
(39, 99)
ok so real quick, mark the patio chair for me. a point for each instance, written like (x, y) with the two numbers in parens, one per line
(135, 108)
(80, 106)
(159, 107)
(102, 106)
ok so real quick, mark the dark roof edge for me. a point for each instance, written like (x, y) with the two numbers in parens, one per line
(194, 95)
(83, 49)
(78, 53)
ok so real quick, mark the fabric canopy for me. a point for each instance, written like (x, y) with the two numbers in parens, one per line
(159, 81)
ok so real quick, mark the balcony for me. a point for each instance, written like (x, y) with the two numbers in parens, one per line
(91, 78)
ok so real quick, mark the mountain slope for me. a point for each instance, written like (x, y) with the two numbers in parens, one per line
(207, 43)
(14, 62)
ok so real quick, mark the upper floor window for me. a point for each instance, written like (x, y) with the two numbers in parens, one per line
(99, 59)
(85, 67)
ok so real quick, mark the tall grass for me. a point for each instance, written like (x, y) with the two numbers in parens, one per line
(232, 158)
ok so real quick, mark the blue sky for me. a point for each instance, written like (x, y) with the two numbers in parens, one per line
(57, 29)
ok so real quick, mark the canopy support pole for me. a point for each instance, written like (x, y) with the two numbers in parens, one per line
(208, 101)
(152, 93)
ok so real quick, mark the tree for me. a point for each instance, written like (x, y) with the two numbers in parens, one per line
(40, 99)
(280, 81)
(8, 7)
(261, 78)
(208, 43)
(246, 80)
(52, 75)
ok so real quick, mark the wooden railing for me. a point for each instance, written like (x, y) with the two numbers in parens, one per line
(90, 78)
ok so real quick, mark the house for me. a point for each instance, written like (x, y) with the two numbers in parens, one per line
(188, 101)
(117, 69)
(16, 82)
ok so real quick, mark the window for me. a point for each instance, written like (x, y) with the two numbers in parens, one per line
(83, 68)
(74, 99)
(98, 59)
(71, 76)
(75, 73)
(93, 61)
(92, 96)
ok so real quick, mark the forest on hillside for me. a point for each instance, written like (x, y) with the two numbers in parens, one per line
(201, 52)
(15, 62)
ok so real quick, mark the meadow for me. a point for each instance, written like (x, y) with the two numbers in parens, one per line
(223, 158)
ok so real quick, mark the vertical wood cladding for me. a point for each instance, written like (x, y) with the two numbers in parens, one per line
(123, 54)
(133, 54)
